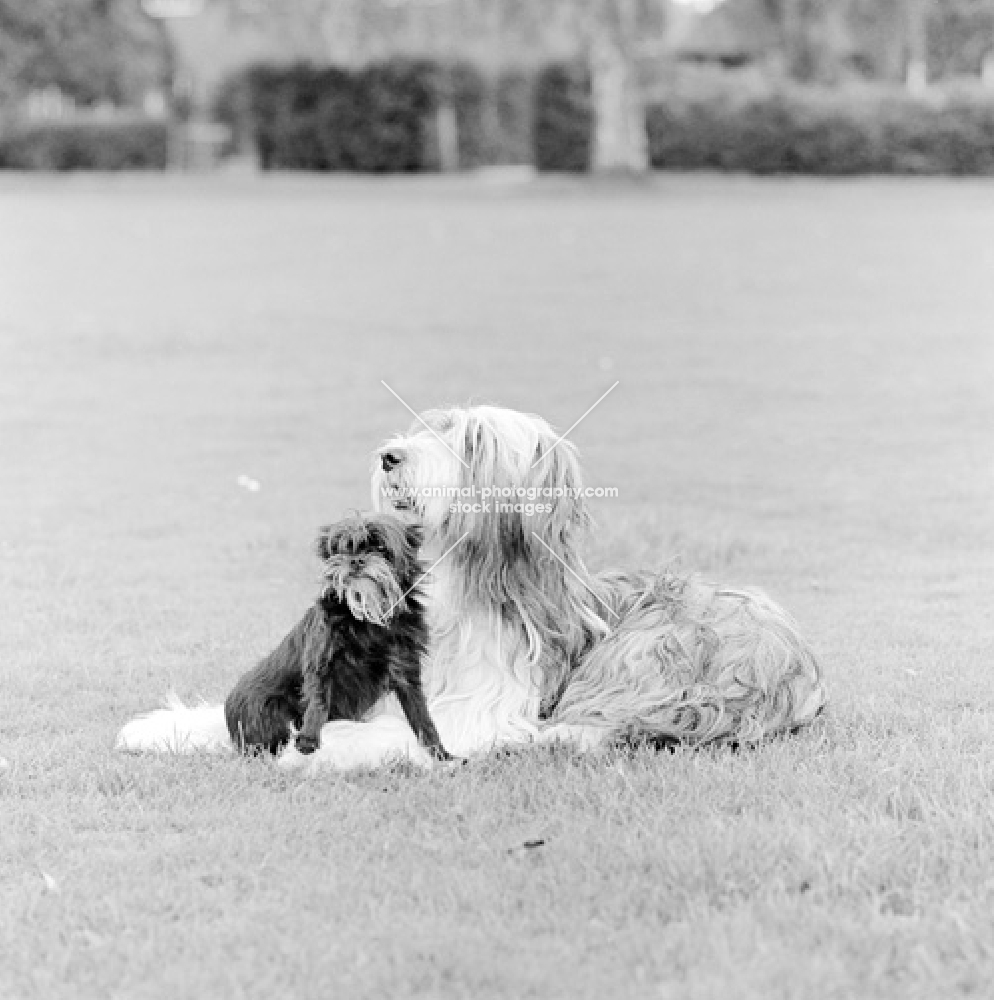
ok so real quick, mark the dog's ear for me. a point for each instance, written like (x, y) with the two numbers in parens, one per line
(321, 543)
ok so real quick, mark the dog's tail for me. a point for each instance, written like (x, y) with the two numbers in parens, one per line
(177, 728)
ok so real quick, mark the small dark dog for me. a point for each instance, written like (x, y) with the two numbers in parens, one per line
(366, 635)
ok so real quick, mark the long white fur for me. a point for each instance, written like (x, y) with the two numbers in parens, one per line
(177, 728)
(525, 643)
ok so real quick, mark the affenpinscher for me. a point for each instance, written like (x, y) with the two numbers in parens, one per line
(365, 636)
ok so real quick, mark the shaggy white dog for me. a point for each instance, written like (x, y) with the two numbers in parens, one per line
(527, 644)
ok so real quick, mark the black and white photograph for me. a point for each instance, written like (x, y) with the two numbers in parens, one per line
(496, 499)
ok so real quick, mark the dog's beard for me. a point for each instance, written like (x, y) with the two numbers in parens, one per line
(374, 595)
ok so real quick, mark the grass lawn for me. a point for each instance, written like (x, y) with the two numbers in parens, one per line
(805, 403)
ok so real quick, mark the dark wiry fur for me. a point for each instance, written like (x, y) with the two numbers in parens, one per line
(336, 664)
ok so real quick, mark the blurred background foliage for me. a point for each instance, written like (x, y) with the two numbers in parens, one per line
(845, 86)
(93, 51)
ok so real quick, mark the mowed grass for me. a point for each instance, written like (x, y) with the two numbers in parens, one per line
(804, 404)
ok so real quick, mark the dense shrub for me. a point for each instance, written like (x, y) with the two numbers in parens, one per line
(563, 118)
(396, 101)
(955, 137)
(800, 130)
(375, 119)
(86, 144)
(379, 118)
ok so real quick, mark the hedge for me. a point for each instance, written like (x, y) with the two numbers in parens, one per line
(563, 118)
(375, 119)
(379, 118)
(816, 131)
(382, 118)
(782, 129)
(86, 144)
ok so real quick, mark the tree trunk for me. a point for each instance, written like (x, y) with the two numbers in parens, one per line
(620, 139)
(916, 73)
(447, 128)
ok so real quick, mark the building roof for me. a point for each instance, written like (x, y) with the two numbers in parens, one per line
(737, 30)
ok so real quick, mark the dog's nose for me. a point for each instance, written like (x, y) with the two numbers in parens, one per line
(390, 460)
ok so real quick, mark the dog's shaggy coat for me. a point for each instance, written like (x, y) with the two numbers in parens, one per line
(526, 643)
(365, 636)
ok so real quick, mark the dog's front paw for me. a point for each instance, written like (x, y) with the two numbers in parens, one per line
(307, 744)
